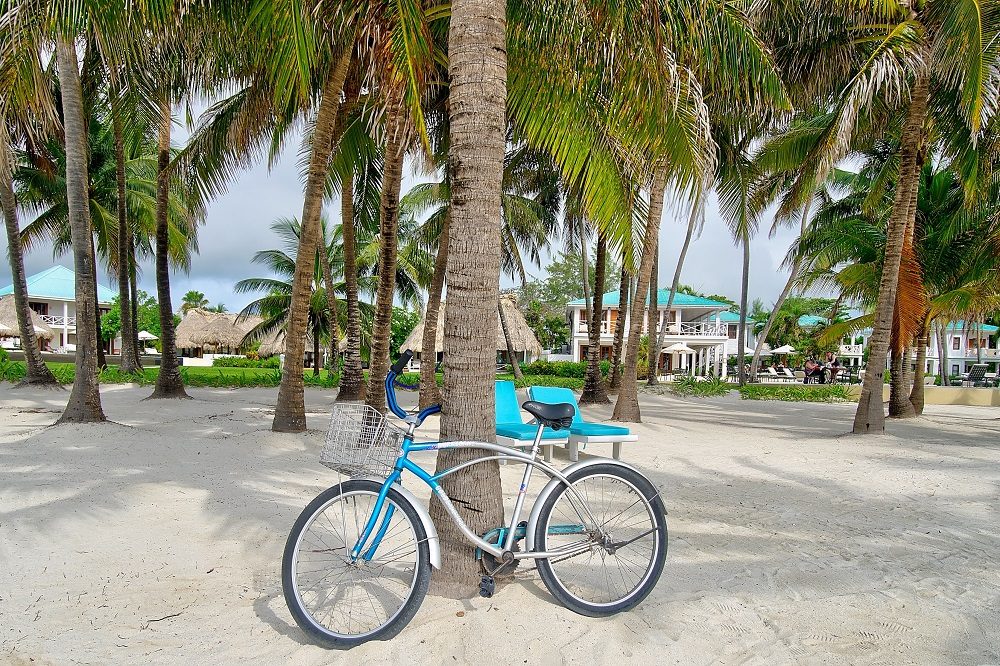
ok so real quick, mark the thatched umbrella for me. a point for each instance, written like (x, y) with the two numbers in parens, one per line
(522, 338)
(8, 320)
(273, 344)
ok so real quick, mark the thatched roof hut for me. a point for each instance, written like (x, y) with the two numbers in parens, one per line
(521, 336)
(200, 328)
(274, 344)
(8, 321)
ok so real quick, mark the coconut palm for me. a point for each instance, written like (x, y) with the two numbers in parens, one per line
(22, 120)
(193, 300)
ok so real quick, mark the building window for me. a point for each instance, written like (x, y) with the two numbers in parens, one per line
(732, 331)
(40, 308)
(956, 344)
(954, 371)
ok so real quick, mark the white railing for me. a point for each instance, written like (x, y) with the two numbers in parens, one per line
(987, 353)
(851, 350)
(686, 328)
(58, 320)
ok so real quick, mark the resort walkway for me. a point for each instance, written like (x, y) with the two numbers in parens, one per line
(157, 539)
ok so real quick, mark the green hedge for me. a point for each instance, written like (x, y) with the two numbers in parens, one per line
(244, 362)
(545, 380)
(207, 377)
(797, 392)
(690, 386)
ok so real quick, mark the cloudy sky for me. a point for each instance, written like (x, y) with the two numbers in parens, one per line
(238, 223)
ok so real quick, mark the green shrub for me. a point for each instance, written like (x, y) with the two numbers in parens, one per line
(4, 356)
(556, 368)
(12, 371)
(797, 392)
(545, 380)
(711, 387)
(245, 362)
(413, 379)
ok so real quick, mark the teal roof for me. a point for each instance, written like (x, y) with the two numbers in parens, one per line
(729, 317)
(662, 296)
(960, 325)
(57, 283)
(810, 321)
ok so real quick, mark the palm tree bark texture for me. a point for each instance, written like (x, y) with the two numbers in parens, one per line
(36, 372)
(392, 175)
(627, 405)
(653, 320)
(616, 355)
(429, 392)
(128, 351)
(741, 344)
(84, 404)
(477, 113)
(169, 383)
(870, 417)
(594, 388)
(290, 410)
(352, 379)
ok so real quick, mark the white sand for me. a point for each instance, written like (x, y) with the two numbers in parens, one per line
(789, 541)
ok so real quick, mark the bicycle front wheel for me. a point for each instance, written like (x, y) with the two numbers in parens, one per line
(627, 547)
(340, 601)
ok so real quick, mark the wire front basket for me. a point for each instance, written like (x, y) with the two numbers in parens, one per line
(361, 442)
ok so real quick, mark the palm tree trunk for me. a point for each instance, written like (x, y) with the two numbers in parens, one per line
(917, 392)
(127, 362)
(623, 300)
(594, 389)
(430, 394)
(290, 410)
(511, 354)
(102, 361)
(900, 389)
(676, 282)
(477, 64)
(392, 174)
(627, 404)
(352, 379)
(169, 383)
(36, 372)
(653, 321)
(585, 269)
(134, 294)
(942, 335)
(316, 359)
(331, 306)
(741, 344)
(84, 404)
(792, 276)
(870, 417)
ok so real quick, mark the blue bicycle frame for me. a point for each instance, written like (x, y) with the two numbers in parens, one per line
(403, 463)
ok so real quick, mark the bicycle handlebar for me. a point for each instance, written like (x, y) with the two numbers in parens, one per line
(390, 391)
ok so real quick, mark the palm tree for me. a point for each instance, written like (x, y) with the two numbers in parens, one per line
(193, 300)
(21, 121)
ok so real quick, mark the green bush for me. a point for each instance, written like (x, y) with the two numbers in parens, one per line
(556, 368)
(4, 356)
(545, 380)
(711, 387)
(245, 362)
(413, 379)
(797, 392)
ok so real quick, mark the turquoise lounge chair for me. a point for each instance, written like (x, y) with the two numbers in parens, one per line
(583, 432)
(513, 431)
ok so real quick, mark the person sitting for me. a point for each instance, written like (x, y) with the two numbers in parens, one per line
(814, 372)
(833, 363)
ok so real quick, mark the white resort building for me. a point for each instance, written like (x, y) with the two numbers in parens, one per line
(52, 294)
(967, 343)
(699, 332)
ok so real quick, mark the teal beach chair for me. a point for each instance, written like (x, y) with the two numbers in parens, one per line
(513, 431)
(583, 432)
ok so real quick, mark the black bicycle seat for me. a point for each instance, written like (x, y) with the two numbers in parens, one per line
(554, 415)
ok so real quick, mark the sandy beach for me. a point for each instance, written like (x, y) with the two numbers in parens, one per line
(158, 538)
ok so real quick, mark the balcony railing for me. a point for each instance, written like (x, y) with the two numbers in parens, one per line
(58, 320)
(851, 350)
(707, 328)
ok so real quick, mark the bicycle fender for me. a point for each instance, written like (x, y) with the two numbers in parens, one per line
(554, 483)
(433, 543)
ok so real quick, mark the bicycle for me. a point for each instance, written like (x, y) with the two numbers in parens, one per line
(357, 563)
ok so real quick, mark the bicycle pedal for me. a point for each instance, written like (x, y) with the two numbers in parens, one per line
(487, 586)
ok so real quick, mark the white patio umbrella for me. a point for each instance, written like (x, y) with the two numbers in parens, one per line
(783, 349)
(146, 335)
(679, 347)
(4, 330)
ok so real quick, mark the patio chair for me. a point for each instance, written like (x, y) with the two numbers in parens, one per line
(512, 431)
(772, 373)
(976, 376)
(583, 432)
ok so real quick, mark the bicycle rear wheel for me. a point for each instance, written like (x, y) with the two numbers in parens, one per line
(340, 602)
(628, 546)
